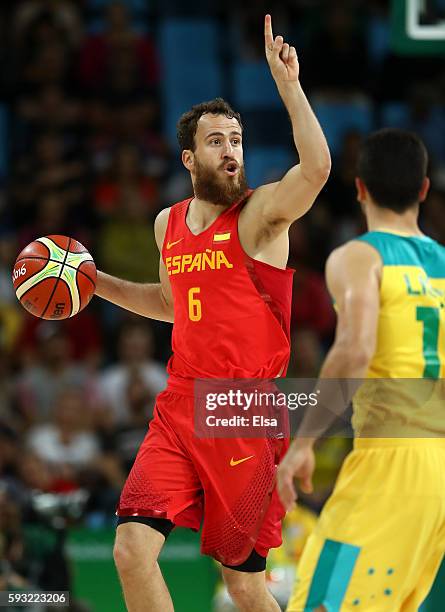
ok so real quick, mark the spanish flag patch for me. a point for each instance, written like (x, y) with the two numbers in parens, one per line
(221, 237)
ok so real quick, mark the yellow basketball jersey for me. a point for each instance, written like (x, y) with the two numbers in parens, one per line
(410, 340)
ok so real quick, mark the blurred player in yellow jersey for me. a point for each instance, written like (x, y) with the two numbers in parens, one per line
(381, 536)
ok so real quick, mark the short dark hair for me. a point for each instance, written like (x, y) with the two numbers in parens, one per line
(188, 122)
(392, 163)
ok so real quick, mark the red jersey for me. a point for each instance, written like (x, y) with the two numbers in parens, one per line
(231, 312)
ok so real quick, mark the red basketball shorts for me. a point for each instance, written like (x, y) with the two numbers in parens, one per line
(227, 484)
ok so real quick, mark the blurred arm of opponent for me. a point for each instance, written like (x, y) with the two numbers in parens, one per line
(273, 207)
(152, 300)
(353, 274)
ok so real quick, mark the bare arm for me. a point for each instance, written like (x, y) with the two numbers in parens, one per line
(289, 199)
(264, 222)
(153, 300)
(353, 277)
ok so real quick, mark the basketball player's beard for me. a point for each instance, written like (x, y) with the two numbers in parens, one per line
(210, 187)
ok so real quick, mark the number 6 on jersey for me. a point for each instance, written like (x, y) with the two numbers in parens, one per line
(195, 311)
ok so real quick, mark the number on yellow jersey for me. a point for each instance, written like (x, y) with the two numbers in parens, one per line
(430, 319)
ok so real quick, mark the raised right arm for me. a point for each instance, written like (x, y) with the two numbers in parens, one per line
(153, 300)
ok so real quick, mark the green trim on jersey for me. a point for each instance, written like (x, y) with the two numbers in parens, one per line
(400, 250)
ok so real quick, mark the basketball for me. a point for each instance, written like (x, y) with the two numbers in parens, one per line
(54, 277)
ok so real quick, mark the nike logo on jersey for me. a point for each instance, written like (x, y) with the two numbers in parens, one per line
(172, 244)
(238, 461)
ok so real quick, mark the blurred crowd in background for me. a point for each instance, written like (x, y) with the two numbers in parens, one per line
(88, 105)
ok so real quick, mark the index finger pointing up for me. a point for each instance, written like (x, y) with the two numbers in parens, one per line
(268, 36)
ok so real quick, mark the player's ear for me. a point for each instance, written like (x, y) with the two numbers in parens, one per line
(361, 189)
(424, 189)
(188, 159)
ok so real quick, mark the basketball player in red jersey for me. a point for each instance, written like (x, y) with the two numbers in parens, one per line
(225, 286)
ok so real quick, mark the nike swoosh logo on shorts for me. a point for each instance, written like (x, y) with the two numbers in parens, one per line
(172, 244)
(233, 462)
